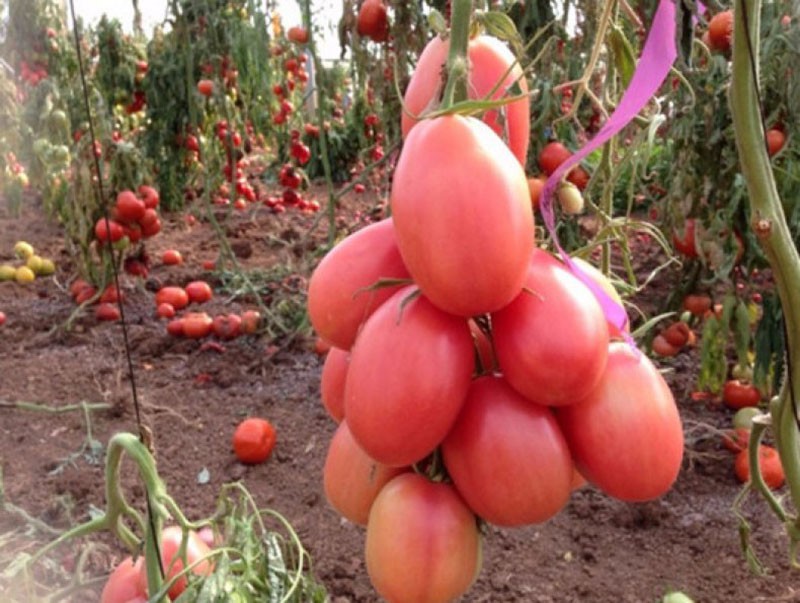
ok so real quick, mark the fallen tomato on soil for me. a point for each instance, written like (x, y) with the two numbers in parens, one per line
(253, 440)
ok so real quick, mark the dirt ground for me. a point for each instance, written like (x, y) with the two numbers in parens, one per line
(598, 550)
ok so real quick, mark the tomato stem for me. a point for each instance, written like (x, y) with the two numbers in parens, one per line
(457, 58)
(776, 239)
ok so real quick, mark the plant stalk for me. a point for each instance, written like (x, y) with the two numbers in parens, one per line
(457, 58)
(768, 220)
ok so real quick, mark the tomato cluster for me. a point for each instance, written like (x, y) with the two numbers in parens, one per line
(462, 352)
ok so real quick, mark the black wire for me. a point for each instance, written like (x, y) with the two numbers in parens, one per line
(754, 74)
(115, 270)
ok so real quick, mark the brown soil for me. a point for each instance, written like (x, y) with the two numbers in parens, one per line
(597, 550)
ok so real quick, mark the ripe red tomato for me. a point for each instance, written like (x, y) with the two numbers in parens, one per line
(677, 334)
(171, 257)
(165, 310)
(199, 292)
(108, 231)
(205, 87)
(423, 543)
(697, 304)
(332, 382)
(507, 456)
(111, 295)
(775, 141)
(720, 31)
(432, 359)
(129, 208)
(298, 35)
(552, 155)
(123, 585)
(736, 439)
(462, 214)
(175, 327)
(662, 347)
(373, 22)
(769, 462)
(739, 394)
(227, 327)
(197, 325)
(173, 561)
(253, 440)
(490, 60)
(107, 311)
(251, 320)
(351, 478)
(174, 296)
(552, 340)
(685, 241)
(338, 299)
(626, 435)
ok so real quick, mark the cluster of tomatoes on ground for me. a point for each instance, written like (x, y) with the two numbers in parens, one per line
(474, 377)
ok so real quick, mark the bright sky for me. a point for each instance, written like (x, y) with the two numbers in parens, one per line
(326, 14)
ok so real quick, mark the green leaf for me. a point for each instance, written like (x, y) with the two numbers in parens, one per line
(501, 26)
(622, 51)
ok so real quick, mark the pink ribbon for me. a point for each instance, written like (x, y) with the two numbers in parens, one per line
(658, 55)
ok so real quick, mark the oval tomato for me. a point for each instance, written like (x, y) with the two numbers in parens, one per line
(775, 141)
(107, 311)
(462, 215)
(174, 296)
(662, 347)
(552, 155)
(129, 208)
(123, 585)
(199, 292)
(740, 394)
(490, 60)
(351, 478)
(626, 435)
(108, 231)
(332, 382)
(173, 562)
(685, 241)
(149, 195)
(769, 462)
(720, 31)
(373, 21)
(552, 340)
(338, 297)
(697, 304)
(205, 87)
(410, 368)
(297, 34)
(251, 320)
(171, 257)
(197, 325)
(253, 440)
(175, 326)
(165, 310)
(423, 544)
(507, 456)
(227, 326)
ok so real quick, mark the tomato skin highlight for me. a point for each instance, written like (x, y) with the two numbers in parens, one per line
(489, 60)
(507, 456)
(430, 358)
(338, 302)
(626, 436)
(462, 214)
(351, 479)
(423, 544)
(552, 340)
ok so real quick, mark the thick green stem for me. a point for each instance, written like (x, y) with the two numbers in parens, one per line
(769, 223)
(457, 59)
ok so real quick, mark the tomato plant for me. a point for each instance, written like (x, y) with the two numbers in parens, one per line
(253, 440)
(423, 544)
